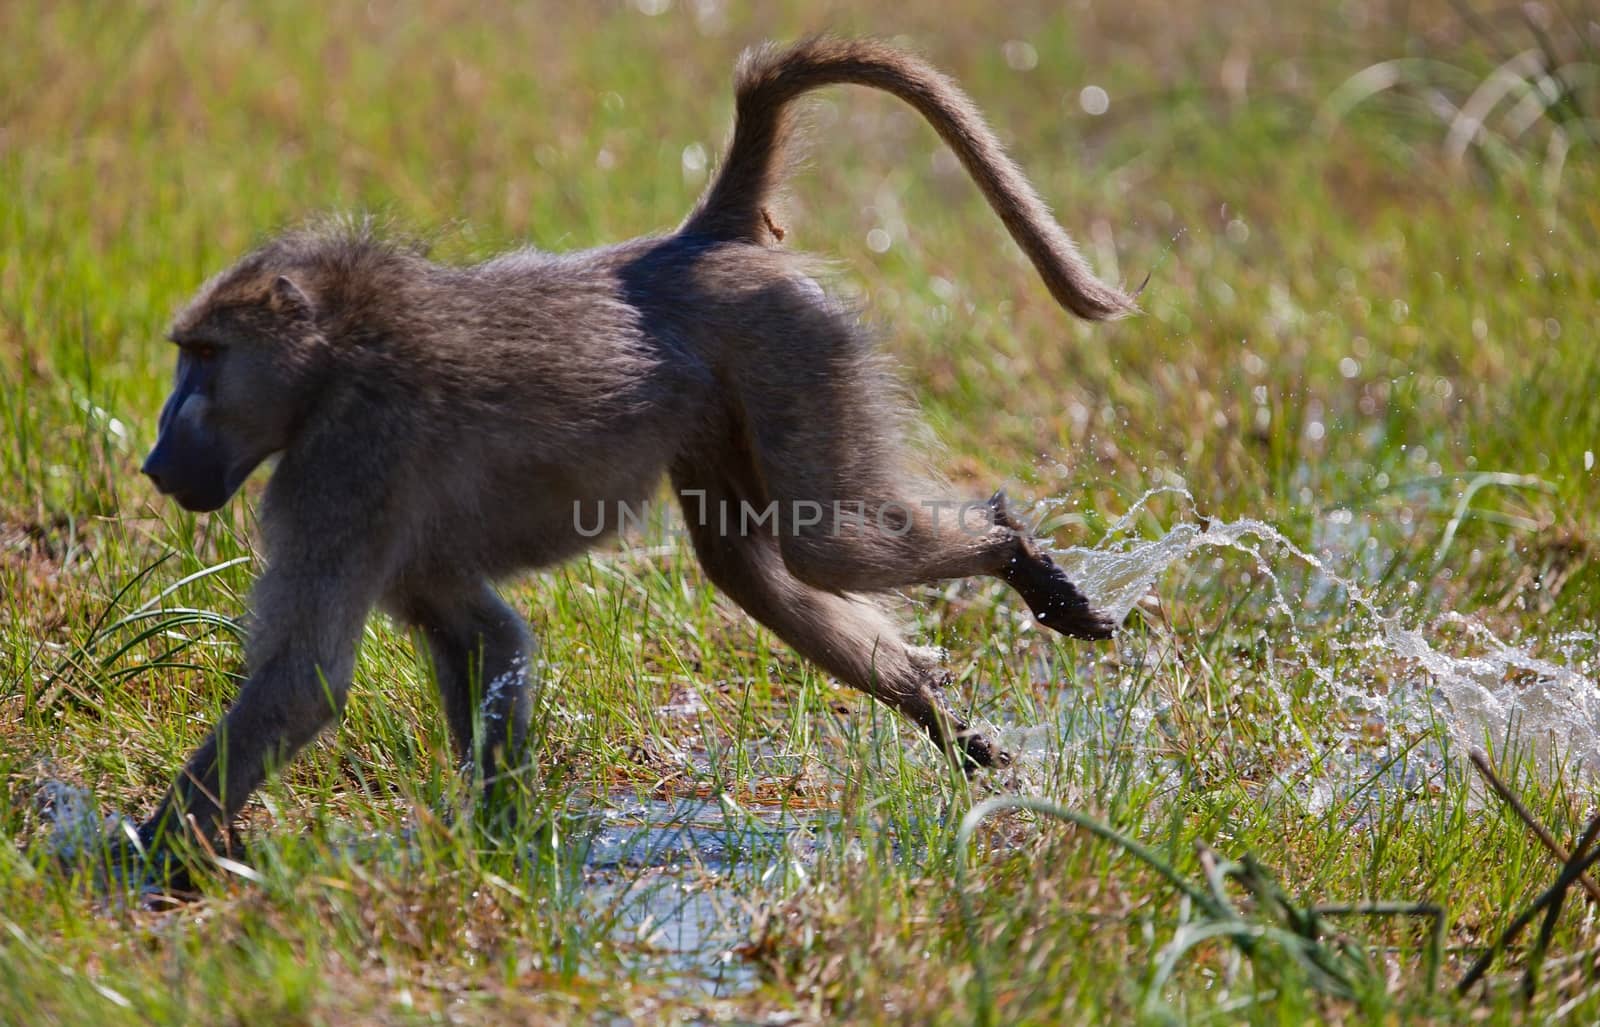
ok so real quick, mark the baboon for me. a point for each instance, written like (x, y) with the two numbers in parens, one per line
(440, 427)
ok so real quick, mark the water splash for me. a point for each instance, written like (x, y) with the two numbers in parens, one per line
(1116, 578)
(1453, 672)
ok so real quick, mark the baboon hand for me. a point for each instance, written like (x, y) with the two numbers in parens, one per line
(137, 859)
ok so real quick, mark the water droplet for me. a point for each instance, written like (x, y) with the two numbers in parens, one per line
(1020, 55)
(694, 162)
(1094, 100)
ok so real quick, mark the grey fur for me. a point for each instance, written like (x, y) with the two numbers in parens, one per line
(436, 425)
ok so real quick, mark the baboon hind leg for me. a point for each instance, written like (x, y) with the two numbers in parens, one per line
(848, 636)
(482, 656)
(853, 512)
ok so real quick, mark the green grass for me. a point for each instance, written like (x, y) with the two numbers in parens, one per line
(1346, 330)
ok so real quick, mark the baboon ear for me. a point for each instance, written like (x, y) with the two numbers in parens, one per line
(290, 300)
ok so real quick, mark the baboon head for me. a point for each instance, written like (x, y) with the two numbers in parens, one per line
(247, 348)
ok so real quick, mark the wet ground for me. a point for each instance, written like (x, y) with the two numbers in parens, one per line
(678, 880)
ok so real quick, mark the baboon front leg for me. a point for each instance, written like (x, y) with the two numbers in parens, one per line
(482, 655)
(301, 652)
(848, 636)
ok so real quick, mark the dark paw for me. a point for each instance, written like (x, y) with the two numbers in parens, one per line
(1054, 599)
(1045, 587)
(138, 861)
(978, 753)
(1075, 619)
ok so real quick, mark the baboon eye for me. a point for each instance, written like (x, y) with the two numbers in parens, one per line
(201, 350)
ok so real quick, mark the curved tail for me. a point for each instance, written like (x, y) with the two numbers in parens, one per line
(769, 78)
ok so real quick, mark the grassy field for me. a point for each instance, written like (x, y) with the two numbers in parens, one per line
(1364, 384)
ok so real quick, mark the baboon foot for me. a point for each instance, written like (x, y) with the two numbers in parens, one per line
(974, 752)
(1050, 594)
(1054, 599)
(965, 746)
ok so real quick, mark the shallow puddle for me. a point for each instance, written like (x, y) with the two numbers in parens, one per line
(680, 877)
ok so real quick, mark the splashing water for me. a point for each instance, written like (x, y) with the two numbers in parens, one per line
(1486, 690)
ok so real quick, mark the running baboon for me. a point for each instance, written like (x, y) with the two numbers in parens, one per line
(438, 428)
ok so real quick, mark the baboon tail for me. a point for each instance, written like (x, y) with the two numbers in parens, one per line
(769, 78)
